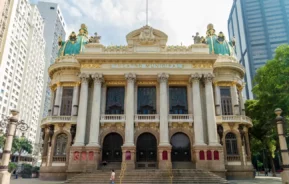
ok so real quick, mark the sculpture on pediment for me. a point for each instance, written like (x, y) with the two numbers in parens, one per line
(197, 38)
(75, 44)
(95, 38)
(147, 35)
(218, 44)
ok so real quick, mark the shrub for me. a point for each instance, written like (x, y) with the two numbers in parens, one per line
(26, 171)
(12, 167)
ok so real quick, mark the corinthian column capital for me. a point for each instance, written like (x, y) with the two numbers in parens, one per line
(195, 77)
(83, 77)
(163, 77)
(130, 77)
(209, 77)
(98, 78)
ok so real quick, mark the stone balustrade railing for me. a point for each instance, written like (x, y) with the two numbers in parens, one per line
(232, 158)
(146, 118)
(112, 118)
(59, 159)
(234, 119)
(181, 118)
(60, 119)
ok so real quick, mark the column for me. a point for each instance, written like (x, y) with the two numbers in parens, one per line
(56, 106)
(235, 100)
(164, 128)
(95, 114)
(51, 105)
(218, 100)
(242, 102)
(75, 100)
(129, 110)
(81, 118)
(197, 110)
(211, 116)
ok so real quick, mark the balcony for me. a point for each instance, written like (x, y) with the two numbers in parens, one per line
(59, 119)
(181, 118)
(234, 119)
(147, 118)
(112, 118)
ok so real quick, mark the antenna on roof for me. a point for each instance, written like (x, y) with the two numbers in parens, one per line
(147, 13)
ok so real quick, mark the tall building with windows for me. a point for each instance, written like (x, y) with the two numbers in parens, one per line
(259, 28)
(22, 66)
(5, 14)
(145, 105)
(54, 27)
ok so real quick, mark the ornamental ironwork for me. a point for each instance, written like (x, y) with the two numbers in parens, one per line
(5, 122)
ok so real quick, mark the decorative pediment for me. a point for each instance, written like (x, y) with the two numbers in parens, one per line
(147, 36)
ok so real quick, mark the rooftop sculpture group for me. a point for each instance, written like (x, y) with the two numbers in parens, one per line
(217, 43)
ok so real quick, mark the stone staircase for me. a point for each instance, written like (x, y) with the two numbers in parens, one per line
(153, 176)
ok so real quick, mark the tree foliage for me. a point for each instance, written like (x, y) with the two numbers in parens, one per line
(21, 145)
(271, 91)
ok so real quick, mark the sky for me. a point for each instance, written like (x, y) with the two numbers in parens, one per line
(114, 19)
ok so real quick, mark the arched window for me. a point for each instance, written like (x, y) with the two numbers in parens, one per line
(60, 146)
(231, 144)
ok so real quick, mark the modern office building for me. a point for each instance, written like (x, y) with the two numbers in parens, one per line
(22, 65)
(54, 27)
(259, 28)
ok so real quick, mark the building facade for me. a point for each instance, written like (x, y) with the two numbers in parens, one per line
(259, 28)
(22, 65)
(54, 28)
(145, 105)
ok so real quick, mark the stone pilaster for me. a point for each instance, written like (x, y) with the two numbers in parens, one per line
(95, 115)
(81, 119)
(198, 120)
(235, 100)
(211, 115)
(75, 100)
(57, 102)
(218, 100)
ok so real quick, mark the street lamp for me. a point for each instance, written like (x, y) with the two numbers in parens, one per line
(283, 146)
(11, 124)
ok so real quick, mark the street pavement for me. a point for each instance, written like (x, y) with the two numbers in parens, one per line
(257, 180)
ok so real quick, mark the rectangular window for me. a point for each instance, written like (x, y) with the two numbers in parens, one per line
(178, 100)
(66, 104)
(226, 101)
(115, 100)
(52, 8)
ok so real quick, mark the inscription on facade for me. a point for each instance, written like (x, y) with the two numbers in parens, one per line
(176, 66)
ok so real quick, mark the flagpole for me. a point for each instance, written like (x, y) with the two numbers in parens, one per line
(147, 16)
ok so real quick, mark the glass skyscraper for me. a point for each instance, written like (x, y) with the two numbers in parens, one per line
(259, 27)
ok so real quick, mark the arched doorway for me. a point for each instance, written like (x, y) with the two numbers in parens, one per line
(146, 150)
(181, 148)
(111, 149)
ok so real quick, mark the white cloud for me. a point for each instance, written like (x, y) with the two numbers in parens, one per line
(179, 19)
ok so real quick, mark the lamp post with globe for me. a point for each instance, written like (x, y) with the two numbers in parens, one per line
(283, 146)
(11, 123)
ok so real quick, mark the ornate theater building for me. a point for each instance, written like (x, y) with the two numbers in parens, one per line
(146, 105)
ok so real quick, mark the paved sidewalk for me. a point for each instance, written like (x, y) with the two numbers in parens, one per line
(257, 180)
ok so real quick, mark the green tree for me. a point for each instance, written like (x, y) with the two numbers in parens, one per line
(2, 142)
(21, 145)
(271, 91)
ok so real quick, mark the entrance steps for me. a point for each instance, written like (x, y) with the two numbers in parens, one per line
(153, 176)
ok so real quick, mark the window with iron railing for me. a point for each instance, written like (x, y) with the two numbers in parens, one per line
(178, 100)
(226, 101)
(115, 100)
(146, 101)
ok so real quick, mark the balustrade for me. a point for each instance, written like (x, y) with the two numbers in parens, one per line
(147, 118)
(59, 119)
(108, 118)
(232, 158)
(59, 159)
(181, 118)
(234, 118)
